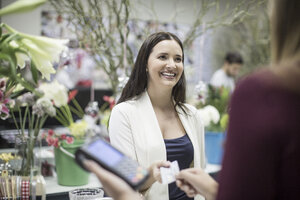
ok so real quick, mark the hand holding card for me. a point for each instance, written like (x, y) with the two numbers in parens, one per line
(168, 174)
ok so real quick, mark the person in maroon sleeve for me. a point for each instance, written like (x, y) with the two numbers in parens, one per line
(262, 152)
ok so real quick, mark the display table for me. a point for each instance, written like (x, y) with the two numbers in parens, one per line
(59, 192)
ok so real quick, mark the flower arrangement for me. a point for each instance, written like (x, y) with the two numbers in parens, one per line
(26, 60)
(61, 99)
(78, 131)
(212, 103)
(55, 139)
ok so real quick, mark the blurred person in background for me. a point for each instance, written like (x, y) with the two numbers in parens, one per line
(226, 75)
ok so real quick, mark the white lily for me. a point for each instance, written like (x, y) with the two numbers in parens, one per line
(21, 57)
(42, 50)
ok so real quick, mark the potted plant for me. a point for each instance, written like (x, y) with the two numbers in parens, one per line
(65, 145)
(212, 103)
(74, 132)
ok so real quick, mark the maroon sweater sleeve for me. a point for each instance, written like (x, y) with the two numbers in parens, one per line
(261, 153)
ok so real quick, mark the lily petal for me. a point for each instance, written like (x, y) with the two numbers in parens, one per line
(21, 6)
(21, 59)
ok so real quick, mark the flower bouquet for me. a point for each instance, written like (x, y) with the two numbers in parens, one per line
(68, 139)
(213, 105)
(25, 61)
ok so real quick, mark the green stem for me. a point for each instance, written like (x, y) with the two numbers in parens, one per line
(32, 122)
(61, 117)
(30, 119)
(74, 110)
(21, 125)
(67, 114)
(75, 102)
(24, 119)
(36, 127)
(44, 118)
(8, 28)
(15, 121)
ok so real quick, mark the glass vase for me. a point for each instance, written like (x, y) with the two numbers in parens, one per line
(27, 150)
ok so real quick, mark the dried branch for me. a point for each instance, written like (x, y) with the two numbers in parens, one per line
(229, 17)
(101, 28)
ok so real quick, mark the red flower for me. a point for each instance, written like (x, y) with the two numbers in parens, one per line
(70, 140)
(55, 139)
(63, 136)
(106, 98)
(55, 143)
(72, 94)
(50, 132)
(110, 100)
(50, 141)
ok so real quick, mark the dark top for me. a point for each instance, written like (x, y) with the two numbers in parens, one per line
(180, 149)
(262, 153)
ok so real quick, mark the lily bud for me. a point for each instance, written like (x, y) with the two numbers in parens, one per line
(21, 6)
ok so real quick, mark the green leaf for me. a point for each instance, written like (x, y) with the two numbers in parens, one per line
(12, 63)
(8, 38)
(3, 37)
(34, 72)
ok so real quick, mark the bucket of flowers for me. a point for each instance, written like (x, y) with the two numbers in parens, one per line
(65, 144)
(212, 103)
(68, 139)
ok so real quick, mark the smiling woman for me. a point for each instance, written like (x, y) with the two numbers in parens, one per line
(164, 65)
(151, 121)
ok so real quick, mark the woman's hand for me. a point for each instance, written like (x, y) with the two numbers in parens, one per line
(154, 173)
(195, 181)
(112, 184)
(154, 169)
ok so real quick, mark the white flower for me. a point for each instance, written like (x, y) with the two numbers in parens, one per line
(209, 115)
(21, 57)
(56, 92)
(43, 105)
(43, 51)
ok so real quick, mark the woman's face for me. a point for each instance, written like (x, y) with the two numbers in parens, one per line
(165, 65)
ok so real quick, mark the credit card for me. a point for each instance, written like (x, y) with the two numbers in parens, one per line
(168, 173)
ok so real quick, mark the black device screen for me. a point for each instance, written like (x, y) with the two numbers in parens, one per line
(105, 152)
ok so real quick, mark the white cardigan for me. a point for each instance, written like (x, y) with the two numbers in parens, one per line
(134, 129)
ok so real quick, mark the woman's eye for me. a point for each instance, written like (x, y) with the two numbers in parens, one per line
(163, 57)
(178, 59)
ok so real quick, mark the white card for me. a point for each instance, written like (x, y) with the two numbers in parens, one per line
(168, 173)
